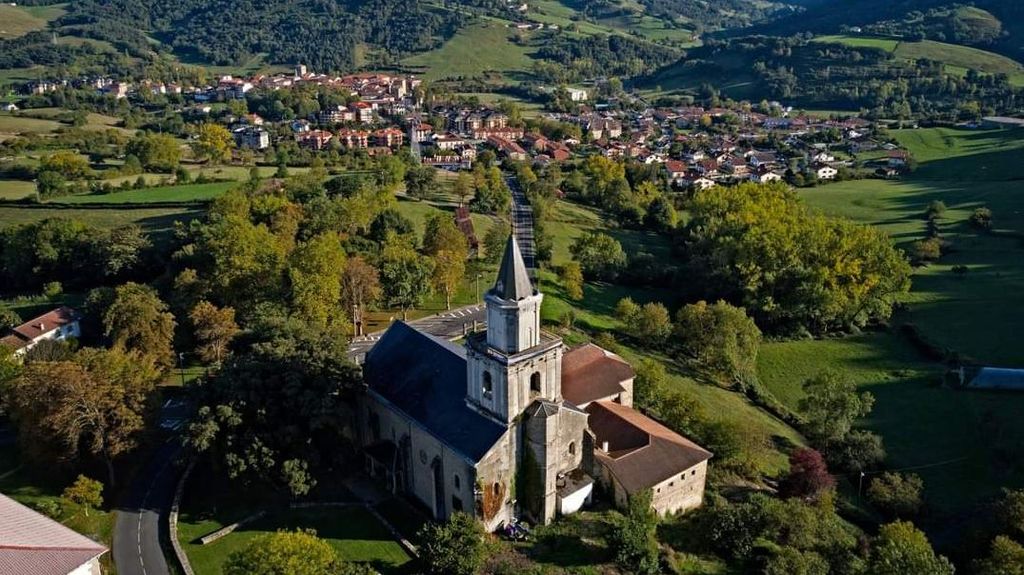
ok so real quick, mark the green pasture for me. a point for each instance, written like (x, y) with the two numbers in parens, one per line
(184, 193)
(474, 50)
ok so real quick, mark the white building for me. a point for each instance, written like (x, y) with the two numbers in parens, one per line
(58, 325)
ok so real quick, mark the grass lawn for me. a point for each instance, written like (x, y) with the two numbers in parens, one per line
(354, 532)
(17, 21)
(185, 193)
(12, 124)
(31, 488)
(474, 50)
(16, 189)
(975, 314)
(957, 441)
(157, 221)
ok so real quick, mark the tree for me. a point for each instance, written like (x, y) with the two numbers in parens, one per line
(633, 537)
(8, 319)
(721, 338)
(494, 241)
(898, 495)
(68, 164)
(857, 451)
(650, 322)
(138, 320)
(902, 549)
(926, 250)
(759, 247)
(1006, 558)
(315, 273)
(808, 475)
(981, 218)
(572, 280)
(280, 412)
(449, 269)
(830, 406)
(421, 182)
(453, 548)
(790, 561)
(405, 276)
(214, 329)
(600, 256)
(441, 233)
(212, 143)
(360, 286)
(1010, 512)
(463, 187)
(156, 152)
(285, 553)
(96, 404)
(84, 492)
(122, 249)
(50, 184)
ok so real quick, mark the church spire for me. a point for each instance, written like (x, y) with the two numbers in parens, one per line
(513, 282)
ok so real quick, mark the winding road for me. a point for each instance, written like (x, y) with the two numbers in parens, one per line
(141, 525)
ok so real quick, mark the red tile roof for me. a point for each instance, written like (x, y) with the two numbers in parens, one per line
(641, 452)
(590, 373)
(25, 333)
(31, 544)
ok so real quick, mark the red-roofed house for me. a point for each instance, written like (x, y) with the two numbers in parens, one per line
(59, 324)
(32, 544)
(633, 452)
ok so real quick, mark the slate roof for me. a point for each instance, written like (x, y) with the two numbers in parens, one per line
(998, 378)
(590, 373)
(641, 452)
(32, 544)
(425, 378)
(513, 281)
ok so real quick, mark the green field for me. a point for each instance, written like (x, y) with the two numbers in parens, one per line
(157, 221)
(17, 21)
(957, 441)
(958, 59)
(474, 50)
(185, 193)
(976, 314)
(353, 532)
(14, 124)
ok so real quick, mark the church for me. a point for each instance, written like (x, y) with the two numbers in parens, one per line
(511, 423)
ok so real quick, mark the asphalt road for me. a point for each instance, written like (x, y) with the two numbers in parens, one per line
(522, 225)
(449, 325)
(141, 522)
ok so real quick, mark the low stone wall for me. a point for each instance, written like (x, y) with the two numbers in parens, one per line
(207, 539)
(172, 519)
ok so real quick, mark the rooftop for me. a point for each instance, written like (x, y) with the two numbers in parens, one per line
(641, 452)
(590, 373)
(32, 544)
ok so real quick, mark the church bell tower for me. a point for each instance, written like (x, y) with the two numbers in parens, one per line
(514, 363)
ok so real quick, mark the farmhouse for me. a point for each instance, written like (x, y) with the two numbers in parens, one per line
(57, 325)
(513, 422)
(32, 544)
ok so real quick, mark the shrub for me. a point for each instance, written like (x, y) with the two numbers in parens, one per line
(926, 250)
(897, 495)
(981, 218)
(808, 475)
(453, 548)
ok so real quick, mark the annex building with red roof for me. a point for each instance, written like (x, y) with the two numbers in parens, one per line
(33, 544)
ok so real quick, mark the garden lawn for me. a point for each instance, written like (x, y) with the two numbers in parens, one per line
(352, 531)
(184, 193)
(975, 314)
(957, 441)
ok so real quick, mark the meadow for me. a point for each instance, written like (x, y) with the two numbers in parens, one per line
(17, 21)
(183, 193)
(473, 51)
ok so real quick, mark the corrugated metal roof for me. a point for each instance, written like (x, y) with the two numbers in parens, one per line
(33, 544)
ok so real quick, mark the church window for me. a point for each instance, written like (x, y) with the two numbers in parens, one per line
(423, 457)
(535, 382)
(572, 448)
(488, 385)
(497, 488)
(458, 482)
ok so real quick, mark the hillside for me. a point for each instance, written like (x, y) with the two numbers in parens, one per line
(997, 25)
(922, 79)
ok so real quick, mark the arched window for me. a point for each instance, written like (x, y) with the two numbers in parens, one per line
(572, 448)
(497, 488)
(535, 382)
(488, 385)
(458, 482)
